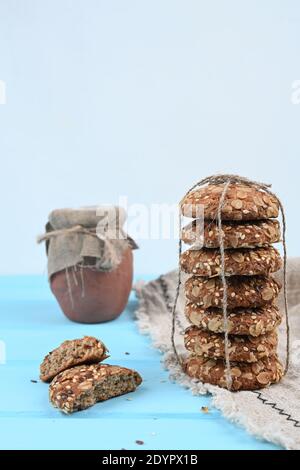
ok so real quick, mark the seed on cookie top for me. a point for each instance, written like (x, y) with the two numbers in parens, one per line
(242, 202)
(242, 262)
(235, 234)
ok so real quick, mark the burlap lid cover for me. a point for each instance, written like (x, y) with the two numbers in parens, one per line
(88, 236)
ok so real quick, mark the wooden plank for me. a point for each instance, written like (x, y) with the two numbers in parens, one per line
(160, 413)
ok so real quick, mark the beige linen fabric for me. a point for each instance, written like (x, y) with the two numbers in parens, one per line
(77, 237)
(273, 413)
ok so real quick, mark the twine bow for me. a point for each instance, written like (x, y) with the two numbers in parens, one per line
(226, 180)
(66, 231)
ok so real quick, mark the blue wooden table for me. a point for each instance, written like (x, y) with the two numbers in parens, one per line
(161, 414)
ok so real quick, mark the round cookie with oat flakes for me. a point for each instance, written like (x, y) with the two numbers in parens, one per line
(241, 348)
(245, 376)
(240, 321)
(242, 291)
(235, 234)
(242, 202)
(243, 262)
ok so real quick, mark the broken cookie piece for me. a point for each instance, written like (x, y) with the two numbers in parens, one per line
(82, 386)
(70, 353)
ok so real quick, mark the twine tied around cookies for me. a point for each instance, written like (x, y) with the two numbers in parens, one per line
(226, 180)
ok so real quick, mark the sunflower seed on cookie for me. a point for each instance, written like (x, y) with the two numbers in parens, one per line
(236, 234)
(240, 321)
(243, 262)
(71, 353)
(82, 386)
(245, 376)
(241, 348)
(242, 291)
(242, 202)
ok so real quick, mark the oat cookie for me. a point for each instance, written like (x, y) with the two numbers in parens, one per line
(241, 348)
(245, 376)
(82, 386)
(236, 234)
(243, 262)
(241, 203)
(242, 291)
(71, 353)
(240, 321)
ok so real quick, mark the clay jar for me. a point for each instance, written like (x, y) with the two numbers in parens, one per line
(105, 293)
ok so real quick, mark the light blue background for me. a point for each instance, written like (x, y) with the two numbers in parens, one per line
(141, 98)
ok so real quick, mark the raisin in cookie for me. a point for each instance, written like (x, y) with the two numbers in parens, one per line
(245, 376)
(242, 202)
(236, 234)
(71, 353)
(82, 386)
(243, 262)
(241, 348)
(242, 291)
(240, 321)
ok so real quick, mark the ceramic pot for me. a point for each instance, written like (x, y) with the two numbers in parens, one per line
(105, 293)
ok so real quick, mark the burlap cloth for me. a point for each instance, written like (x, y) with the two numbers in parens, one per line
(86, 237)
(273, 413)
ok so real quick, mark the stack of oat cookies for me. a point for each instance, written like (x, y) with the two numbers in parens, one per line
(249, 229)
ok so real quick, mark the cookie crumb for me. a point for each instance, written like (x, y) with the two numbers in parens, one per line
(33, 381)
(204, 409)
